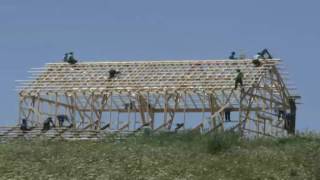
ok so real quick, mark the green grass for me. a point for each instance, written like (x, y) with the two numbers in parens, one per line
(164, 156)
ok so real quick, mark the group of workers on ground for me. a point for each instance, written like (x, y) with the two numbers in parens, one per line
(281, 113)
(48, 123)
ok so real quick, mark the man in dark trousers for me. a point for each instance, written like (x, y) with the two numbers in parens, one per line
(61, 118)
(238, 79)
(24, 125)
(227, 114)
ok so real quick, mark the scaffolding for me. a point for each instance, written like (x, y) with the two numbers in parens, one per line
(159, 95)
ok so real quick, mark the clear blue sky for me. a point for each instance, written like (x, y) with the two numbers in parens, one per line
(34, 32)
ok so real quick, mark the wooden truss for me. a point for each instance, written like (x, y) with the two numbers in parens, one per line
(159, 95)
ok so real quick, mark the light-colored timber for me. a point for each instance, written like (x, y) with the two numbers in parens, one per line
(162, 93)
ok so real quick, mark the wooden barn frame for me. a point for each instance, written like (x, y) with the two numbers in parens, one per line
(162, 96)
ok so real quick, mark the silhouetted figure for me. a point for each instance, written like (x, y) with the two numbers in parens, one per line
(281, 114)
(291, 117)
(256, 59)
(24, 125)
(238, 79)
(47, 124)
(227, 114)
(71, 59)
(68, 57)
(61, 119)
(126, 106)
(178, 126)
(113, 73)
(287, 122)
(280, 111)
(232, 56)
(130, 105)
(264, 54)
(256, 62)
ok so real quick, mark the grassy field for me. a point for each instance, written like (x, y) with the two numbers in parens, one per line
(165, 156)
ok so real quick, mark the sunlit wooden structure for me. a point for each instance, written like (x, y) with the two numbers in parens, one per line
(161, 94)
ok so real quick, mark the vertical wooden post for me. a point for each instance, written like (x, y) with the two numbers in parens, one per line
(49, 107)
(118, 114)
(21, 99)
(240, 114)
(38, 109)
(110, 120)
(56, 108)
(165, 112)
(73, 118)
(203, 106)
(148, 110)
(271, 90)
(129, 111)
(212, 103)
(184, 110)
(92, 109)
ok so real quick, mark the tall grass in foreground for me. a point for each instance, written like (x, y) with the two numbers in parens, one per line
(164, 156)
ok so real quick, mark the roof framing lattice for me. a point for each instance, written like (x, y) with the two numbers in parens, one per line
(143, 75)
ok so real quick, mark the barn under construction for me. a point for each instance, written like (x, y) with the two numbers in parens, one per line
(186, 95)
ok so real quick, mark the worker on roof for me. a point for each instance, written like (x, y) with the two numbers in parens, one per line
(264, 54)
(256, 59)
(232, 56)
(68, 57)
(71, 59)
(113, 73)
(238, 79)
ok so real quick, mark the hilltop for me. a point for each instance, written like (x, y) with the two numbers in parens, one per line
(164, 156)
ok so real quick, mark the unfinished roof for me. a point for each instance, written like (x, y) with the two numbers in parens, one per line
(140, 75)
